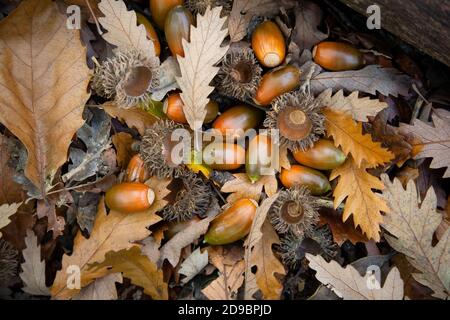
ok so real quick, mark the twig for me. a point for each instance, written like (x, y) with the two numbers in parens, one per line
(99, 30)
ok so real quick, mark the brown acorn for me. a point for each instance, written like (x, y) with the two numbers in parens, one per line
(212, 110)
(128, 197)
(268, 44)
(151, 33)
(276, 82)
(173, 108)
(160, 8)
(337, 56)
(177, 27)
(232, 224)
(314, 180)
(299, 119)
(258, 157)
(224, 156)
(323, 156)
(136, 171)
(236, 120)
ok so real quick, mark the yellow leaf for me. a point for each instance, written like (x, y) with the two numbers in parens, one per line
(356, 185)
(43, 85)
(348, 135)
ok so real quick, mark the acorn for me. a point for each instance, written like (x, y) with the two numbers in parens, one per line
(337, 56)
(136, 171)
(236, 120)
(160, 8)
(233, 223)
(323, 156)
(239, 74)
(173, 108)
(314, 180)
(128, 77)
(294, 211)
(189, 196)
(177, 27)
(224, 156)
(128, 197)
(258, 157)
(268, 44)
(156, 148)
(151, 33)
(299, 119)
(276, 82)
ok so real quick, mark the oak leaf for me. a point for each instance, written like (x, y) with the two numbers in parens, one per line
(111, 232)
(348, 135)
(193, 265)
(307, 17)
(412, 223)
(358, 108)
(44, 82)
(225, 287)
(350, 285)
(197, 66)
(122, 28)
(342, 231)
(33, 269)
(133, 117)
(138, 268)
(6, 211)
(242, 187)
(122, 142)
(356, 185)
(431, 142)
(101, 289)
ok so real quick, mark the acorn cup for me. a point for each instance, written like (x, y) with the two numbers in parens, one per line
(323, 156)
(232, 224)
(136, 171)
(312, 179)
(224, 156)
(337, 56)
(173, 108)
(151, 33)
(177, 27)
(160, 8)
(129, 197)
(268, 44)
(276, 82)
(236, 120)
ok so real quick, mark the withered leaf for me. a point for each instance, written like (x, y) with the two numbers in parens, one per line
(33, 269)
(412, 224)
(6, 211)
(138, 268)
(193, 265)
(431, 142)
(47, 208)
(197, 67)
(241, 187)
(101, 289)
(122, 142)
(356, 185)
(350, 285)
(307, 17)
(44, 85)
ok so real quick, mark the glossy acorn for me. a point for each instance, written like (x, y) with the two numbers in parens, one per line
(173, 108)
(232, 224)
(323, 156)
(337, 56)
(128, 197)
(258, 157)
(276, 82)
(177, 27)
(241, 117)
(268, 44)
(223, 156)
(314, 180)
(136, 171)
(151, 33)
(160, 8)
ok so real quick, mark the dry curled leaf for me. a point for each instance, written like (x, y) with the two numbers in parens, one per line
(193, 265)
(197, 66)
(101, 289)
(138, 268)
(307, 17)
(225, 287)
(370, 79)
(241, 187)
(350, 285)
(431, 142)
(122, 142)
(358, 108)
(6, 211)
(44, 81)
(412, 224)
(33, 269)
(110, 232)
(348, 135)
(356, 185)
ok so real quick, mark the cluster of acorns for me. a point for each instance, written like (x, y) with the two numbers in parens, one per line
(256, 77)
